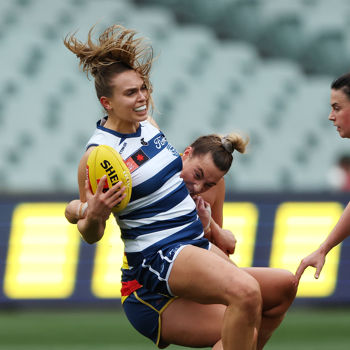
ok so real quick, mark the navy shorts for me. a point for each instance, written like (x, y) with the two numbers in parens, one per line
(145, 305)
(154, 271)
(144, 309)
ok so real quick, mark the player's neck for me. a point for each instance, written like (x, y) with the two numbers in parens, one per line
(122, 126)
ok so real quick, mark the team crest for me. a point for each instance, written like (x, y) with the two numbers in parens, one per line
(136, 160)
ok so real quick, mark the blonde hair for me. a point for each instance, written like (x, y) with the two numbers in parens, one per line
(116, 51)
(220, 147)
(233, 142)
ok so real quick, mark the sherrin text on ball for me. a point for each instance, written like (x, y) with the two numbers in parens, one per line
(105, 160)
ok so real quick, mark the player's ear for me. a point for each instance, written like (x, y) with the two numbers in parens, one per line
(105, 103)
(187, 152)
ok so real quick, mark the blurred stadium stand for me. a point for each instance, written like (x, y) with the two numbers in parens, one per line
(260, 67)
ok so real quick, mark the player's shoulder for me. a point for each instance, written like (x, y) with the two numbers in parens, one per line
(152, 122)
(221, 184)
(148, 130)
(215, 192)
(148, 124)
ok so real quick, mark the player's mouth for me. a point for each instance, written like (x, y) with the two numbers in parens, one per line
(140, 109)
(191, 190)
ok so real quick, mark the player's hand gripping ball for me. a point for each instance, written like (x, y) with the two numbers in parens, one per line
(105, 160)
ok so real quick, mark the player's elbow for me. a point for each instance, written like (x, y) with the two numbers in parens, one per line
(71, 218)
(90, 240)
(90, 235)
(70, 211)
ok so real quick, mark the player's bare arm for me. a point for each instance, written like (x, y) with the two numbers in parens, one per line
(318, 257)
(215, 196)
(223, 239)
(91, 217)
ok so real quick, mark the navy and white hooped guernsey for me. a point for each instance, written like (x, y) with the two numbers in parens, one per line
(161, 212)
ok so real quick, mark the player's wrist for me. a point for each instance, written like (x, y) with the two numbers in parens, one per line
(324, 249)
(81, 210)
(207, 228)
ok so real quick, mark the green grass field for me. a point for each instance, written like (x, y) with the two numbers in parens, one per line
(303, 329)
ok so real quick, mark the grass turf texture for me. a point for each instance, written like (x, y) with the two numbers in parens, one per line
(302, 329)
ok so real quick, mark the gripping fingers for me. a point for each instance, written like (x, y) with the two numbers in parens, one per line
(199, 203)
(117, 188)
(117, 193)
(88, 192)
(101, 185)
(118, 200)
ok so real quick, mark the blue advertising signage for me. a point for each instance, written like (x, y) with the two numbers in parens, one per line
(44, 259)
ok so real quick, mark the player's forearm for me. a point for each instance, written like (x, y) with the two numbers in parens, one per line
(91, 228)
(215, 230)
(89, 225)
(339, 232)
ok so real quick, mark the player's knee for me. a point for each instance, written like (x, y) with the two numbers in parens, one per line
(285, 294)
(251, 298)
(248, 298)
(290, 286)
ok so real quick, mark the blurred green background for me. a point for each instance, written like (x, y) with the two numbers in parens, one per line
(302, 329)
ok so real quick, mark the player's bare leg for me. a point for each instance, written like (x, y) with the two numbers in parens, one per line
(278, 289)
(207, 278)
(187, 323)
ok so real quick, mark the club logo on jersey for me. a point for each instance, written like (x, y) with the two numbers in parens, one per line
(160, 141)
(123, 148)
(136, 160)
(143, 142)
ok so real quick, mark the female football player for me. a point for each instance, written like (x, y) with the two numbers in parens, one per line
(165, 248)
(185, 322)
(172, 317)
(340, 116)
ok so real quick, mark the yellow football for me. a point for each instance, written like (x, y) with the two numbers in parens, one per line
(105, 160)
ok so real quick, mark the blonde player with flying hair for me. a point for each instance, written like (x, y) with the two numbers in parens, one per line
(165, 247)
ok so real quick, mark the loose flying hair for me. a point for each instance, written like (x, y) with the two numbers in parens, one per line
(220, 147)
(342, 83)
(116, 51)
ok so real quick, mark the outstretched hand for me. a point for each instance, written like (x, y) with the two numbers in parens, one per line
(315, 259)
(101, 203)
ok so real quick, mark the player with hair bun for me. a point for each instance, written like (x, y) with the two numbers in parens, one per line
(182, 321)
(217, 149)
(166, 253)
(278, 286)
